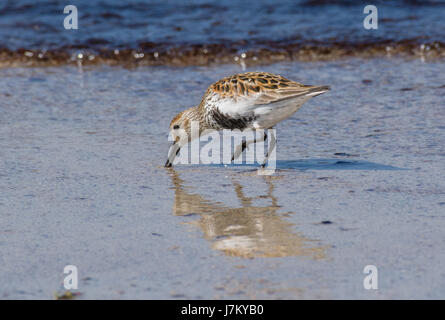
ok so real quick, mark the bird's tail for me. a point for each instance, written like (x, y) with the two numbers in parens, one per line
(316, 90)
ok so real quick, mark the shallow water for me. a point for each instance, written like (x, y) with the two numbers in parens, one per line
(359, 182)
(30, 24)
(202, 32)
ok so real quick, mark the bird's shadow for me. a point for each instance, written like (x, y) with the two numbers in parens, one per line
(333, 164)
(321, 164)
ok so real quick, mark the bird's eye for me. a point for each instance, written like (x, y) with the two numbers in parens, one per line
(175, 127)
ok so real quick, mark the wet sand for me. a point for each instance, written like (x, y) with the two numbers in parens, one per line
(227, 52)
(359, 182)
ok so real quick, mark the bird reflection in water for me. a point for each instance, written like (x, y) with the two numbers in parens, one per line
(248, 231)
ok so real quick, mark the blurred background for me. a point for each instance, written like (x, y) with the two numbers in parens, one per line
(202, 32)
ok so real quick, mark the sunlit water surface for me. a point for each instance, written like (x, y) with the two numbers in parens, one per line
(359, 182)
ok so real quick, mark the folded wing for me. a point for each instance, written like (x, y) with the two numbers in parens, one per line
(241, 94)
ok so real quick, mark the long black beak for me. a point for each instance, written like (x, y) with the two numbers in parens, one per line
(172, 153)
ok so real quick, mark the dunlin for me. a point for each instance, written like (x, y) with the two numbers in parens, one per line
(252, 100)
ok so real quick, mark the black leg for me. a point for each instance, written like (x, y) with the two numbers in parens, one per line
(271, 147)
(240, 149)
(243, 147)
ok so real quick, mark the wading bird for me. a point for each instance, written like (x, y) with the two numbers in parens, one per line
(245, 101)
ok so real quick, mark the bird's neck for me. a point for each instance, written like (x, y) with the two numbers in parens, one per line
(195, 114)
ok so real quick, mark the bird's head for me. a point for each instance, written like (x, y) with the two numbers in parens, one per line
(180, 134)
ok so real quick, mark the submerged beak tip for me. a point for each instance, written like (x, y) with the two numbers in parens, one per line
(172, 153)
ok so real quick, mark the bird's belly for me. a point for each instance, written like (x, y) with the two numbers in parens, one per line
(269, 116)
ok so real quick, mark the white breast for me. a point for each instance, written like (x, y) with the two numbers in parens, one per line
(267, 115)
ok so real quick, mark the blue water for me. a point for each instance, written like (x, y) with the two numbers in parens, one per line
(39, 24)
